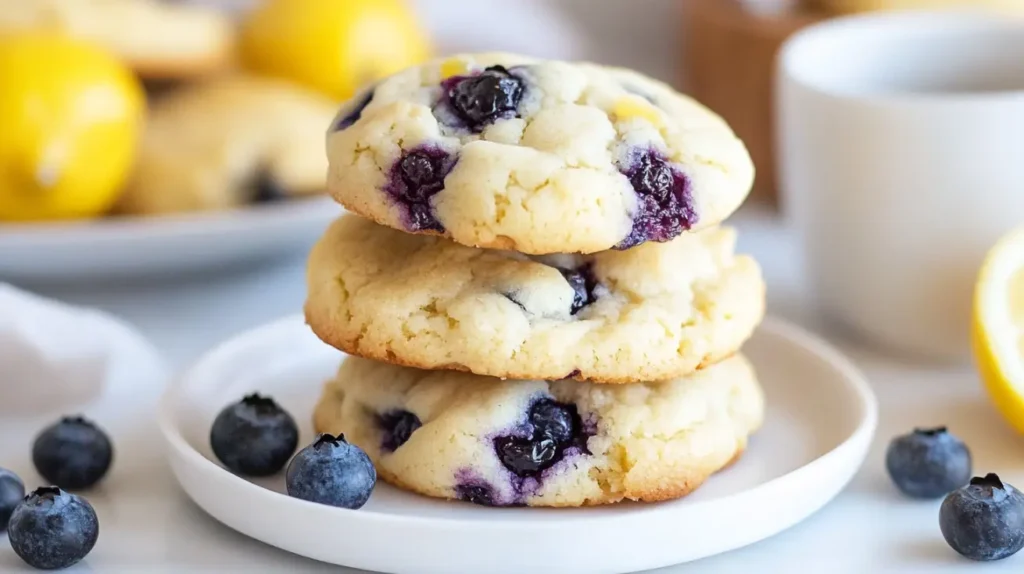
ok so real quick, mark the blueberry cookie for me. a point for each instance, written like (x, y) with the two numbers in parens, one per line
(228, 142)
(158, 39)
(504, 151)
(658, 311)
(542, 443)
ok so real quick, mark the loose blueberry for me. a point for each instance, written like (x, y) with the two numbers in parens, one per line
(481, 494)
(398, 426)
(984, 520)
(582, 282)
(73, 453)
(332, 471)
(415, 178)
(254, 437)
(928, 463)
(555, 427)
(353, 115)
(266, 189)
(52, 529)
(481, 99)
(664, 200)
(12, 490)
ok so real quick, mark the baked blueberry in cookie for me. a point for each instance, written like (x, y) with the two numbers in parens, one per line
(582, 282)
(266, 189)
(553, 429)
(398, 426)
(480, 99)
(356, 111)
(415, 178)
(664, 200)
(477, 492)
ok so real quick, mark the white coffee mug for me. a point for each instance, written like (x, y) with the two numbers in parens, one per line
(901, 158)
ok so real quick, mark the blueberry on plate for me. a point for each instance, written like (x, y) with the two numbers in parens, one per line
(52, 529)
(928, 463)
(254, 437)
(72, 453)
(984, 520)
(12, 490)
(332, 471)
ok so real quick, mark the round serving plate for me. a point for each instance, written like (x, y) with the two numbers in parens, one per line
(820, 420)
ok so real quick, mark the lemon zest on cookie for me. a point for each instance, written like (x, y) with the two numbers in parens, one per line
(628, 107)
(453, 67)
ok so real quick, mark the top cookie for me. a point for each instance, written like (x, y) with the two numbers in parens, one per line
(508, 152)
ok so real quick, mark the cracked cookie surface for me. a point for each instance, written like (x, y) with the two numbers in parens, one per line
(543, 443)
(654, 312)
(536, 156)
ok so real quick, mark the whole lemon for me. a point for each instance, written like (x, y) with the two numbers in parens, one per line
(334, 46)
(71, 116)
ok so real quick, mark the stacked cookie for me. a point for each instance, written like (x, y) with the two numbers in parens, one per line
(541, 306)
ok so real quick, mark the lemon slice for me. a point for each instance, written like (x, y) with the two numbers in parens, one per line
(997, 332)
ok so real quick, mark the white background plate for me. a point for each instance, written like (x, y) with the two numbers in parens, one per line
(821, 419)
(140, 246)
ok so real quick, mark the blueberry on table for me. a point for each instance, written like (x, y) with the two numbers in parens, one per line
(928, 463)
(73, 453)
(984, 520)
(12, 490)
(332, 471)
(254, 437)
(52, 529)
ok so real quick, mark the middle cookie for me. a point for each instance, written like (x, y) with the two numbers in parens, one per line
(654, 312)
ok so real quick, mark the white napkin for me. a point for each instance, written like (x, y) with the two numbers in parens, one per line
(58, 356)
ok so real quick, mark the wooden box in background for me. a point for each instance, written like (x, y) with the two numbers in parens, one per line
(729, 66)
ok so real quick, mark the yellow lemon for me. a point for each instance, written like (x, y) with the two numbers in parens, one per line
(334, 46)
(71, 115)
(998, 326)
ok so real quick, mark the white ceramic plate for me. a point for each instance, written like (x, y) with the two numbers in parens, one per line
(821, 418)
(139, 246)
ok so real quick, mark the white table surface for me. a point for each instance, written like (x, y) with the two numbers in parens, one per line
(150, 526)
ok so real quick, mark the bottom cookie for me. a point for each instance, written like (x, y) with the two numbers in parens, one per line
(456, 435)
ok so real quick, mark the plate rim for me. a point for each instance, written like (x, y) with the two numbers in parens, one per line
(859, 438)
(115, 228)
